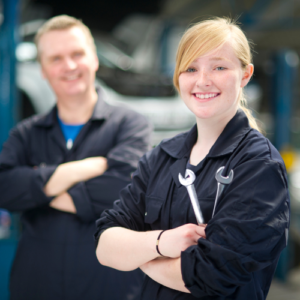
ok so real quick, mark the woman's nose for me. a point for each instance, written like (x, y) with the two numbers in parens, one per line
(203, 78)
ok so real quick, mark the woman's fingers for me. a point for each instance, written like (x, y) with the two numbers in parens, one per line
(173, 241)
(200, 230)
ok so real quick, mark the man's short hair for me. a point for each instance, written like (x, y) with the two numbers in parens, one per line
(63, 22)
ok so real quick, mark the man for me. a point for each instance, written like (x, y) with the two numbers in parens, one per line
(62, 169)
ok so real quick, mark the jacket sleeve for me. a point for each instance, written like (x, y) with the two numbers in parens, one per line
(21, 185)
(129, 210)
(246, 234)
(94, 196)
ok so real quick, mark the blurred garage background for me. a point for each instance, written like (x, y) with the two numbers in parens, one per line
(136, 44)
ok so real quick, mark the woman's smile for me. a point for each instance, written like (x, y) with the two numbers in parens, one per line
(204, 97)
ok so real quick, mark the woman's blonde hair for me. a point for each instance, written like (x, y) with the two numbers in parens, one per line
(206, 36)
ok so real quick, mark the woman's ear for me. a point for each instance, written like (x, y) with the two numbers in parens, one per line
(247, 74)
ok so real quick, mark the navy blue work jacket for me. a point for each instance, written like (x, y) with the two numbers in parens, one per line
(248, 231)
(56, 254)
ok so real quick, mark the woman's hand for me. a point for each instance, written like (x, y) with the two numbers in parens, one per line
(173, 241)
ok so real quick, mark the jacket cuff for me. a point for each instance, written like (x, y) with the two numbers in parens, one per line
(187, 267)
(82, 202)
(38, 182)
(98, 233)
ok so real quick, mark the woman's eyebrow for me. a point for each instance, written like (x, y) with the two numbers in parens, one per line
(216, 58)
(219, 58)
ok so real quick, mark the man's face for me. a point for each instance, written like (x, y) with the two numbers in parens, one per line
(68, 62)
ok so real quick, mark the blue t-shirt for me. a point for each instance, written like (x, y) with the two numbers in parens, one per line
(70, 132)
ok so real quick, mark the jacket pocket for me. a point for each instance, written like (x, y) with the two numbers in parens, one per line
(153, 209)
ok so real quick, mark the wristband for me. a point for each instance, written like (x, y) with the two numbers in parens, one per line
(157, 242)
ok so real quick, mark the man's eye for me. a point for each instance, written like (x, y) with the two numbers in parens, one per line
(78, 54)
(220, 68)
(55, 58)
(190, 70)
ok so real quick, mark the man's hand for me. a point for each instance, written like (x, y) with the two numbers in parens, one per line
(173, 241)
(63, 202)
(68, 174)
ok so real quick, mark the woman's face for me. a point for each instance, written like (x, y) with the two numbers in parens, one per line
(211, 85)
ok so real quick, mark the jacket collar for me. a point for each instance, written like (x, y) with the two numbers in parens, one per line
(101, 112)
(181, 145)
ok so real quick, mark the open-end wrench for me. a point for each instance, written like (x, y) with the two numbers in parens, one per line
(188, 183)
(222, 181)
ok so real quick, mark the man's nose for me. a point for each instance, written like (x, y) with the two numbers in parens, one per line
(70, 64)
(203, 78)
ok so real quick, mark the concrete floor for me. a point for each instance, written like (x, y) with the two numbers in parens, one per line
(286, 291)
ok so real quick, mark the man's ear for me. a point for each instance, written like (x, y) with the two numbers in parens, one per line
(247, 74)
(96, 63)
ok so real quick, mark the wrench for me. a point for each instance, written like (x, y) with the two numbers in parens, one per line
(221, 184)
(188, 183)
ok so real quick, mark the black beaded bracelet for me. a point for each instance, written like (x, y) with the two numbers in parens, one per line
(157, 241)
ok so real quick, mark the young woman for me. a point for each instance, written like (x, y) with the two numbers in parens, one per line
(234, 256)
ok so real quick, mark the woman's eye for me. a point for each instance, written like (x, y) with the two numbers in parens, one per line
(220, 68)
(190, 70)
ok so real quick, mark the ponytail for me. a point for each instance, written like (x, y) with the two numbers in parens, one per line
(247, 111)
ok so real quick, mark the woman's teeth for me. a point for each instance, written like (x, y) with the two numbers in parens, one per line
(205, 96)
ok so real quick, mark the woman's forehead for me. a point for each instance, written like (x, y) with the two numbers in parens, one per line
(224, 52)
